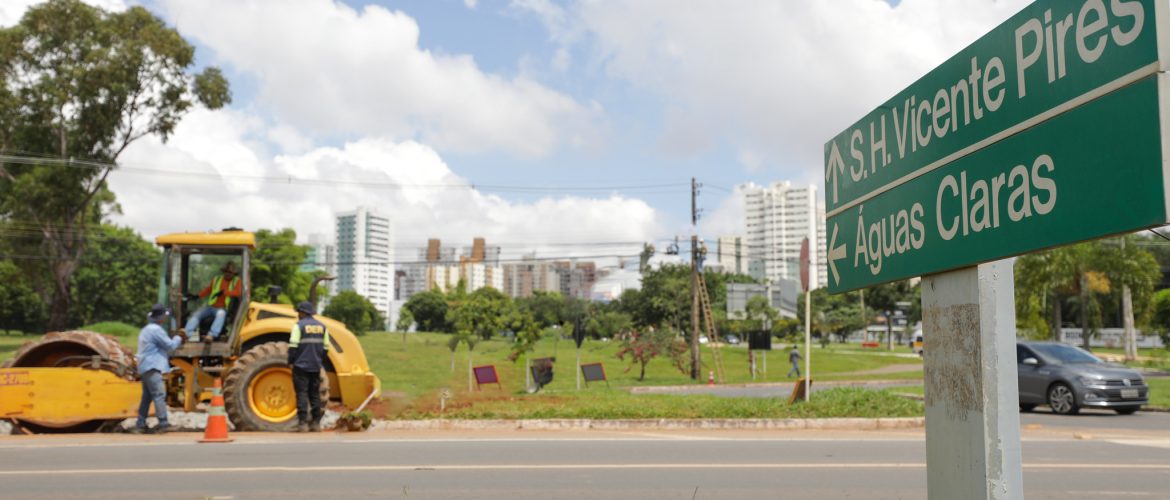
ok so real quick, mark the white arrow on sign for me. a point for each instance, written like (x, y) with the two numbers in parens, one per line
(835, 169)
(835, 253)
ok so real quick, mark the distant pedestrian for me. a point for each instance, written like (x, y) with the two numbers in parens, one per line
(794, 357)
(154, 348)
(308, 345)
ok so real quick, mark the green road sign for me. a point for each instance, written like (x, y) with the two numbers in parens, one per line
(1050, 57)
(1092, 171)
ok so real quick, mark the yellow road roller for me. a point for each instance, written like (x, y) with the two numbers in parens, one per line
(76, 381)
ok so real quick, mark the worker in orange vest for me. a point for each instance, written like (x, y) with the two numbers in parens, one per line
(219, 295)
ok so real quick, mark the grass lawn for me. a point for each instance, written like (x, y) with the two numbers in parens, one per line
(414, 371)
(10, 343)
(423, 364)
(1159, 392)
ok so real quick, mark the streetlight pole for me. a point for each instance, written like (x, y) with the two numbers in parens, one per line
(889, 331)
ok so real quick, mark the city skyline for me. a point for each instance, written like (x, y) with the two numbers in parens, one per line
(576, 115)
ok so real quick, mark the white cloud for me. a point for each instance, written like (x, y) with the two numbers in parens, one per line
(12, 10)
(331, 71)
(407, 181)
(776, 78)
(470, 3)
(727, 218)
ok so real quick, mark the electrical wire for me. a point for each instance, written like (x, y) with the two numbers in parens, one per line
(657, 188)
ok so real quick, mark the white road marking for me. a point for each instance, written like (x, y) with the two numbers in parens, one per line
(1155, 443)
(532, 467)
(641, 437)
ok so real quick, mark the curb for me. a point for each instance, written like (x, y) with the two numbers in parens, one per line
(657, 424)
(828, 383)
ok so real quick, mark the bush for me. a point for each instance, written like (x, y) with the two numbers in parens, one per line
(115, 328)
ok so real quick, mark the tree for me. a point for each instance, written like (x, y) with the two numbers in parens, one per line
(545, 307)
(665, 298)
(21, 308)
(357, 312)
(1160, 317)
(528, 333)
(759, 314)
(405, 320)
(277, 262)
(299, 285)
(78, 85)
(1087, 276)
(1129, 266)
(429, 310)
(481, 314)
(643, 347)
(118, 278)
(608, 324)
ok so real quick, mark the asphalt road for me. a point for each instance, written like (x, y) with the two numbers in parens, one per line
(1098, 420)
(526, 464)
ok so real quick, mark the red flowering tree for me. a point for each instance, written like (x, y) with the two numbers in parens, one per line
(642, 347)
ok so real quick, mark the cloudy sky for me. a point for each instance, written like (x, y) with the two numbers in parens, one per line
(541, 125)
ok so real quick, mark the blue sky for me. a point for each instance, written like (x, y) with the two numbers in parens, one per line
(531, 93)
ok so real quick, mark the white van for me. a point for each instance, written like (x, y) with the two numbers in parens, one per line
(916, 342)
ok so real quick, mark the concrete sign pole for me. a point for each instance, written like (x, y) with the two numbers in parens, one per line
(972, 400)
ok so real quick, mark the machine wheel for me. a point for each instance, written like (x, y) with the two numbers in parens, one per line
(71, 349)
(1027, 407)
(258, 390)
(1062, 400)
(1129, 410)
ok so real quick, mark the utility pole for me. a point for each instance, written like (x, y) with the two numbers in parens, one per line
(696, 366)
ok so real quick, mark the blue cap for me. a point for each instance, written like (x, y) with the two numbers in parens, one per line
(307, 308)
(159, 311)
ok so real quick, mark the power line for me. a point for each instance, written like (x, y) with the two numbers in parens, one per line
(559, 258)
(657, 188)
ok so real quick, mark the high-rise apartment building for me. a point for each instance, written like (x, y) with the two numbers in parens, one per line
(480, 251)
(365, 256)
(439, 269)
(416, 277)
(777, 218)
(576, 278)
(731, 254)
(524, 278)
(321, 255)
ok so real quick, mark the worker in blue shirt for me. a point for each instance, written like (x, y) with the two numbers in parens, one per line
(308, 344)
(154, 348)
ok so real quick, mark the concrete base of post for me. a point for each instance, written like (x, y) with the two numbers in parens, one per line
(972, 400)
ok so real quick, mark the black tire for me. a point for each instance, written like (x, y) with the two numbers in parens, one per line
(1128, 410)
(266, 367)
(1062, 400)
(1027, 407)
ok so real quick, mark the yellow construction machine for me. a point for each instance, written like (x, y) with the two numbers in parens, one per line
(78, 380)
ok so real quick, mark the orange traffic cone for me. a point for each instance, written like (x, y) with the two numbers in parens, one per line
(710, 378)
(217, 431)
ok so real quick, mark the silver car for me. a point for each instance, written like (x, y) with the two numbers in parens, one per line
(1068, 378)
